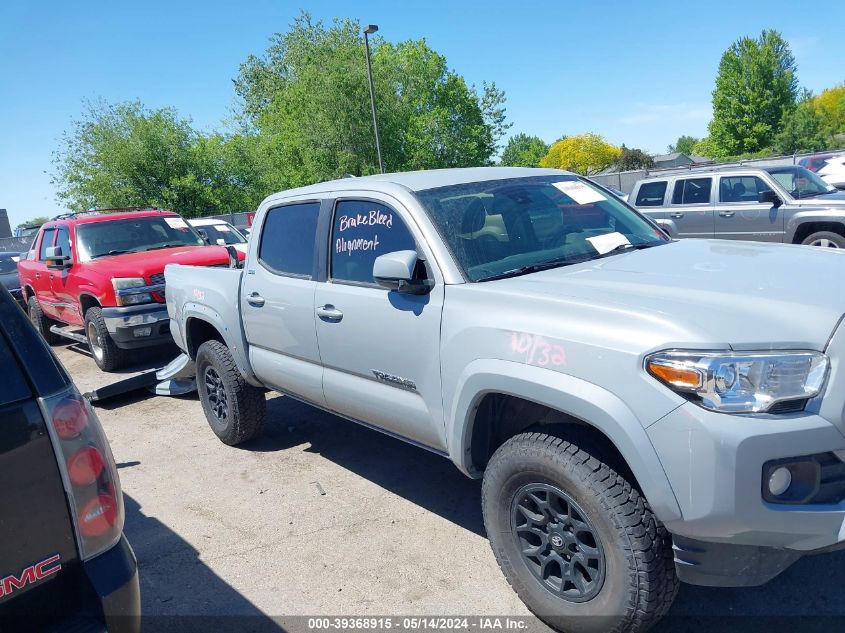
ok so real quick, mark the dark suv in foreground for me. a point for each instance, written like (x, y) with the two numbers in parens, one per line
(64, 562)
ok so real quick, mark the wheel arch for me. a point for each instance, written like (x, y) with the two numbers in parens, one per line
(802, 225)
(202, 324)
(543, 397)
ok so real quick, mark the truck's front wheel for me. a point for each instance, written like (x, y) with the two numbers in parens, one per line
(106, 353)
(234, 409)
(576, 541)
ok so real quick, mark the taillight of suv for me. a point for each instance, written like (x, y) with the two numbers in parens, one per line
(88, 471)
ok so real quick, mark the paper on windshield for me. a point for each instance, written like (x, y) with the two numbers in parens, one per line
(222, 228)
(606, 243)
(176, 223)
(578, 191)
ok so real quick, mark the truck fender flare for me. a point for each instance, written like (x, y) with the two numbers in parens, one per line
(581, 399)
(235, 343)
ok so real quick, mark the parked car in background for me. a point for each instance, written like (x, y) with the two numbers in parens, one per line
(769, 204)
(833, 171)
(542, 334)
(27, 230)
(105, 272)
(815, 162)
(9, 277)
(219, 232)
(65, 564)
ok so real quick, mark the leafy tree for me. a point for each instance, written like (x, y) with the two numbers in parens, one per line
(308, 98)
(632, 158)
(684, 145)
(829, 105)
(523, 150)
(583, 154)
(755, 88)
(36, 221)
(126, 155)
(802, 129)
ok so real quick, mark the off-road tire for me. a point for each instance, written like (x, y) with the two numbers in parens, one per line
(41, 322)
(639, 581)
(823, 239)
(104, 351)
(245, 405)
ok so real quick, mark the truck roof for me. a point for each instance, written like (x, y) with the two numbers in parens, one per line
(88, 218)
(427, 179)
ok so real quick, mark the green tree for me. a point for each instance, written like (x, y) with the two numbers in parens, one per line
(802, 129)
(684, 145)
(523, 150)
(755, 88)
(36, 221)
(829, 105)
(126, 155)
(584, 154)
(632, 158)
(308, 99)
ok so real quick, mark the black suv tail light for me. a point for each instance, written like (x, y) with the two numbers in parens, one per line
(88, 472)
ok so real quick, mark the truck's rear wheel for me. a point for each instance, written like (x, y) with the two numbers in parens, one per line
(234, 409)
(107, 355)
(575, 540)
(40, 321)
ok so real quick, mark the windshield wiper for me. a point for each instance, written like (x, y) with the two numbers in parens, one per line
(112, 252)
(168, 245)
(555, 263)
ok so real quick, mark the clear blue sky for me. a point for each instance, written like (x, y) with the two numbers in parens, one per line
(638, 73)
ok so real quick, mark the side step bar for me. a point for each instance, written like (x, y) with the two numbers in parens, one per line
(68, 332)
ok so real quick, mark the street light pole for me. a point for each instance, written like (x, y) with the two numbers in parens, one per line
(372, 28)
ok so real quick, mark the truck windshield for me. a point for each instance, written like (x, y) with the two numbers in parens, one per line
(800, 182)
(115, 237)
(509, 227)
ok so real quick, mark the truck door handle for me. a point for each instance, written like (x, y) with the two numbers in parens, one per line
(38, 275)
(727, 214)
(255, 300)
(329, 313)
(677, 215)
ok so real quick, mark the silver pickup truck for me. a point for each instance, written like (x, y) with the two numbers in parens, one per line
(641, 410)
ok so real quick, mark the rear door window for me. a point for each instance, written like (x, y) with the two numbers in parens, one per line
(651, 194)
(288, 238)
(692, 191)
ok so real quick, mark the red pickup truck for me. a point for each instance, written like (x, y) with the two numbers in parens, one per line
(105, 272)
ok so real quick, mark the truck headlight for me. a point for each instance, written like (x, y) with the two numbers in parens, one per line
(740, 382)
(124, 283)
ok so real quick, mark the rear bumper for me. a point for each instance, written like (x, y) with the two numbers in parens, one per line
(114, 577)
(132, 327)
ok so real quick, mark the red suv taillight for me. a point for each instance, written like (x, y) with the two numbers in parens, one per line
(88, 470)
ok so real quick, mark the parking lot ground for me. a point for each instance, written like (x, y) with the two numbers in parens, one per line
(321, 516)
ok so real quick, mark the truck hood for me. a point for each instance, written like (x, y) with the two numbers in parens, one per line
(152, 262)
(835, 199)
(712, 293)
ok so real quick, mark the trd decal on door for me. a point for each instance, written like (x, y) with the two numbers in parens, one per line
(395, 380)
(30, 575)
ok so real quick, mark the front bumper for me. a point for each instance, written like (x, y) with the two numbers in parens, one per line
(144, 325)
(728, 534)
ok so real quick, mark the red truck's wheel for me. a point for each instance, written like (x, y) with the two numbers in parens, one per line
(41, 322)
(107, 355)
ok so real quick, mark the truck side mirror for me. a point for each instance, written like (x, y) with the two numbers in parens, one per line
(204, 236)
(769, 197)
(395, 271)
(221, 241)
(56, 259)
